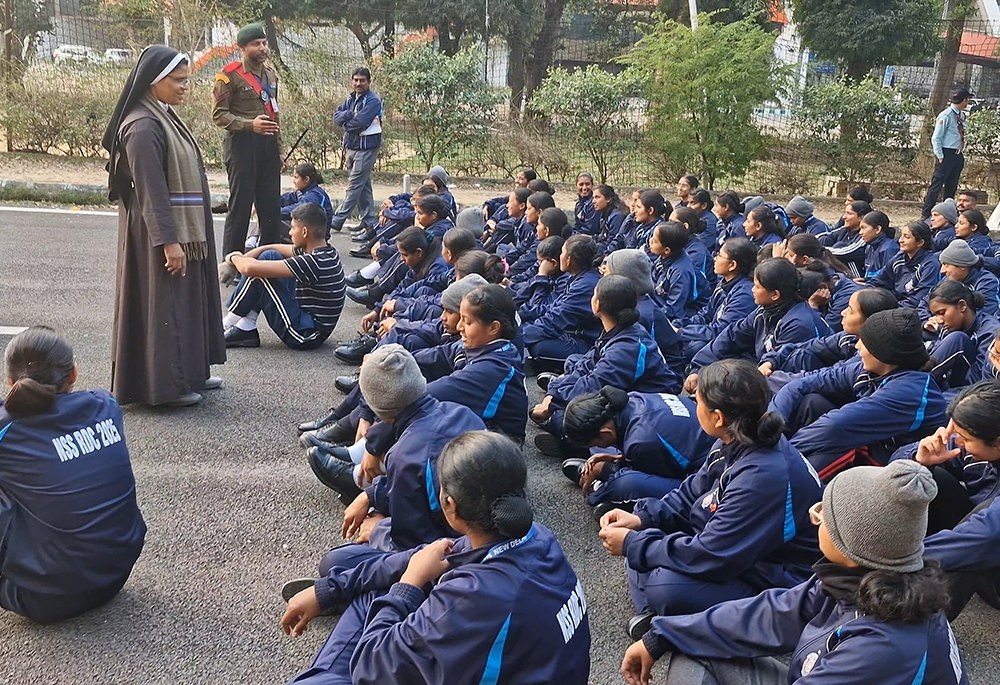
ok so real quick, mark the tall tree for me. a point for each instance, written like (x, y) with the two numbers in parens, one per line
(452, 19)
(956, 12)
(862, 35)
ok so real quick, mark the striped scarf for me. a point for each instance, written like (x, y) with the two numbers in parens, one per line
(185, 180)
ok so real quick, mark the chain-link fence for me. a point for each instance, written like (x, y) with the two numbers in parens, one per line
(64, 62)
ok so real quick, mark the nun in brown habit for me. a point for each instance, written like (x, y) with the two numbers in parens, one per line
(168, 317)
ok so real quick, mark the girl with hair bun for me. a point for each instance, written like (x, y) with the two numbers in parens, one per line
(657, 436)
(729, 210)
(611, 215)
(762, 227)
(914, 270)
(805, 251)
(307, 181)
(972, 228)
(846, 243)
(625, 356)
(738, 526)
(781, 317)
(880, 247)
(70, 528)
(965, 333)
(649, 210)
(499, 604)
(700, 201)
(680, 286)
(696, 251)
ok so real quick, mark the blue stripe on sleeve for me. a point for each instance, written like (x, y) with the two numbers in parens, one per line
(640, 362)
(494, 403)
(919, 418)
(3, 431)
(678, 457)
(919, 678)
(789, 516)
(432, 496)
(491, 674)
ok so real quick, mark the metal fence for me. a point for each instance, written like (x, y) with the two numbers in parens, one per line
(64, 61)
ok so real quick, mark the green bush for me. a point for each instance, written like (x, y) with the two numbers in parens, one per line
(982, 137)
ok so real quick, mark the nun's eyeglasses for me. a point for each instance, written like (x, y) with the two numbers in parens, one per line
(182, 82)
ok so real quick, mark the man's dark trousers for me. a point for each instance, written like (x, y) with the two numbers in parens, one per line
(253, 163)
(946, 175)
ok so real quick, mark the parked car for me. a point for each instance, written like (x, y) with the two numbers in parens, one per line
(118, 56)
(76, 54)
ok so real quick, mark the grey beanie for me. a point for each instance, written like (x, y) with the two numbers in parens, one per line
(633, 265)
(471, 218)
(438, 172)
(751, 203)
(877, 515)
(451, 298)
(800, 207)
(958, 253)
(948, 209)
(390, 380)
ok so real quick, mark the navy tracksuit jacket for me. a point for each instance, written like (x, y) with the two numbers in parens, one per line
(314, 194)
(849, 247)
(564, 312)
(762, 241)
(878, 254)
(408, 492)
(654, 320)
(437, 278)
(831, 642)
(731, 301)
(763, 330)
(710, 236)
(418, 335)
(504, 233)
(861, 411)
(609, 235)
(586, 218)
(943, 237)
(813, 226)
(911, 279)
(813, 355)
(843, 288)
(489, 380)
(496, 208)
(510, 612)
(730, 228)
(69, 522)
(979, 478)
(682, 288)
(702, 259)
(971, 545)
(744, 516)
(972, 346)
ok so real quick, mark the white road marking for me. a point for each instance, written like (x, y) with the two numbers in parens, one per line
(77, 212)
(12, 330)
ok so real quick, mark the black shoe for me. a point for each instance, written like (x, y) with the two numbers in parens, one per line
(544, 378)
(356, 280)
(236, 337)
(336, 451)
(294, 587)
(573, 469)
(335, 474)
(552, 446)
(318, 423)
(340, 432)
(337, 229)
(362, 252)
(346, 384)
(603, 508)
(639, 624)
(363, 296)
(363, 237)
(354, 353)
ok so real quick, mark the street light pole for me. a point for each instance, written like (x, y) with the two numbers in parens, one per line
(693, 11)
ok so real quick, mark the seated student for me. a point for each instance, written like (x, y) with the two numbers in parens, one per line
(738, 526)
(872, 613)
(299, 287)
(972, 228)
(439, 177)
(966, 451)
(398, 212)
(700, 201)
(427, 333)
(943, 218)
(70, 528)
(729, 210)
(398, 510)
(857, 194)
(680, 286)
(812, 355)
(625, 356)
(500, 604)
(696, 251)
(630, 236)
(685, 184)
(586, 219)
(503, 232)
(658, 438)
(762, 227)
(846, 243)
(496, 208)
(611, 215)
(781, 317)
(531, 284)
(521, 254)
(307, 181)
(880, 246)
(914, 270)
(551, 221)
(649, 210)
(959, 263)
(805, 251)
(634, 265)
(961, 456)
(780, 217)
(731, 301)
(965, 333)
(862, 410)
(800, 216)
(559, 320)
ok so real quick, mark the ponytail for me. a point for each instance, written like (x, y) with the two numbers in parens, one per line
(39, 364)
(586, 414)
(735, 388)
(952, 292)
(583, 251)
(691, 220)
(617, 298)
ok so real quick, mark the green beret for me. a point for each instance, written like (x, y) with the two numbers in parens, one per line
(250, 32)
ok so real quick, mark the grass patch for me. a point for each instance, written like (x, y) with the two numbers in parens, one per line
(61, 197)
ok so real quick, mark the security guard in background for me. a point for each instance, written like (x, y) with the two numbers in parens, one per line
(246, 106)
(948, 141)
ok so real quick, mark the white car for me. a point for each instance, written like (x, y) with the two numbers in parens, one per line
(118, 56)
(75, 54)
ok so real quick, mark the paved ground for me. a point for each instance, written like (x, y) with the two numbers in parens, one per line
(232, 507)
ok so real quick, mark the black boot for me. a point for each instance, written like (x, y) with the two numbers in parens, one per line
(334, 474)
(356, 280)
(363, 236)
(354, 353)
(346, 384)
(573, 469)
(339, 432)
(363, 251)
(318, 423)
(552, 446)
(367, 296)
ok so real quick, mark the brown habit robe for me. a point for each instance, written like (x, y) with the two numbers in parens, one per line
(168, 329)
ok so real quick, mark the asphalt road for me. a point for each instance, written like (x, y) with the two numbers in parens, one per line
(232, 507)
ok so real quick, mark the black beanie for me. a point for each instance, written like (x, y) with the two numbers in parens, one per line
(894, 337)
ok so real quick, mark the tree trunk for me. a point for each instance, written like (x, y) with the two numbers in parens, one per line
(363, 37)
(449, 38)
(544, 46)
(291, 84)
(515, 77)
(947, 63)
(389, 30)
